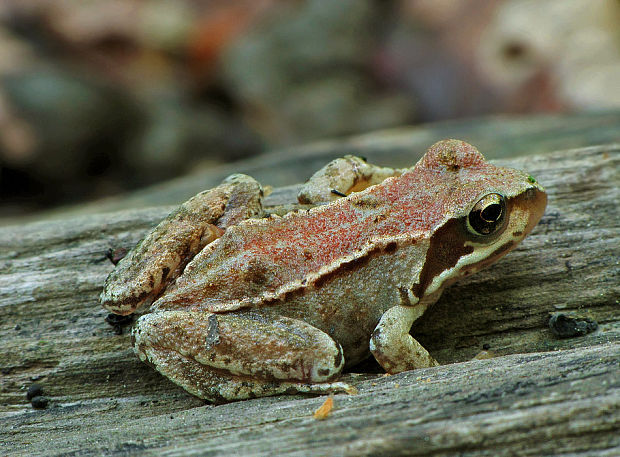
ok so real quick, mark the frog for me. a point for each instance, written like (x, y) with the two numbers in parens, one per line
(236, 301)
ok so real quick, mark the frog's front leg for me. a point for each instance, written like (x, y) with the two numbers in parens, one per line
(237, 356)
(342, 177)
(162, 255)
(392, 345)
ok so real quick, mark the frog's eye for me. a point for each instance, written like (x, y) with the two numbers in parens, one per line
(488, 215)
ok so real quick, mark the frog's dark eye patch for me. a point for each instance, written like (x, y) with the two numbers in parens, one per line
(487, 216)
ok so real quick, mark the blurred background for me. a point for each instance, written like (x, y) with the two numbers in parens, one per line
(101, 97)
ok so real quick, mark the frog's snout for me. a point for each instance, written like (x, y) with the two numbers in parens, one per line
(535, 199)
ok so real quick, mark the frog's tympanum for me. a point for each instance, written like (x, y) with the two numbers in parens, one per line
(236, 303)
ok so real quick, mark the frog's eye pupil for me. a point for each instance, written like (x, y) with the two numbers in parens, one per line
(492, 212)
(488, 214)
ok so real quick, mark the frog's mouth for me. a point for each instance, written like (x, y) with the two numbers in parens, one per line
(454, 253)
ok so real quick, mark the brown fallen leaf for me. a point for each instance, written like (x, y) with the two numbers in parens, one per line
(323, 411)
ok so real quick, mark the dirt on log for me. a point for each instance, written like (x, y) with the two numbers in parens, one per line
(530, 392)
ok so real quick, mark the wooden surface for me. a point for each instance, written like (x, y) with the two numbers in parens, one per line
(103, 400)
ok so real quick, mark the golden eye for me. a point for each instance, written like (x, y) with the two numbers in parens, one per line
(488, 215)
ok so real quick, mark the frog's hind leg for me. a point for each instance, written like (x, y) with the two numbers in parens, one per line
(215, 386)
(233, 357)
(163, 254)
(341, 177)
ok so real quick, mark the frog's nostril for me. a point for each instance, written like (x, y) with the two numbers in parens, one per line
(531, 193)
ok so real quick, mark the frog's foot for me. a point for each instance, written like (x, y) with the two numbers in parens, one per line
(392, 345)
(163, 254)
(342, 177)
(233, 357)
(216, 386)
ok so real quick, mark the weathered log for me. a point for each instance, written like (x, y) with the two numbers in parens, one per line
(103, 400)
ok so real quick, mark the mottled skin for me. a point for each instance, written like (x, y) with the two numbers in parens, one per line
(282, 304)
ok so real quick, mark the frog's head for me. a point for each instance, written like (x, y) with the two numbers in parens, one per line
(484, 211)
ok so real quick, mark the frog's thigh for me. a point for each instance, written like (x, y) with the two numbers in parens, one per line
(392, 345)
(231, 357)
(161, 256)
(343, 176)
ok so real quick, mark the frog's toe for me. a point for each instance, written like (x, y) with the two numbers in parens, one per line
(322, 388)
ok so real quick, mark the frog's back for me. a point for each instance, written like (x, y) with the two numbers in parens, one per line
(266, 261)
(261, 260)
